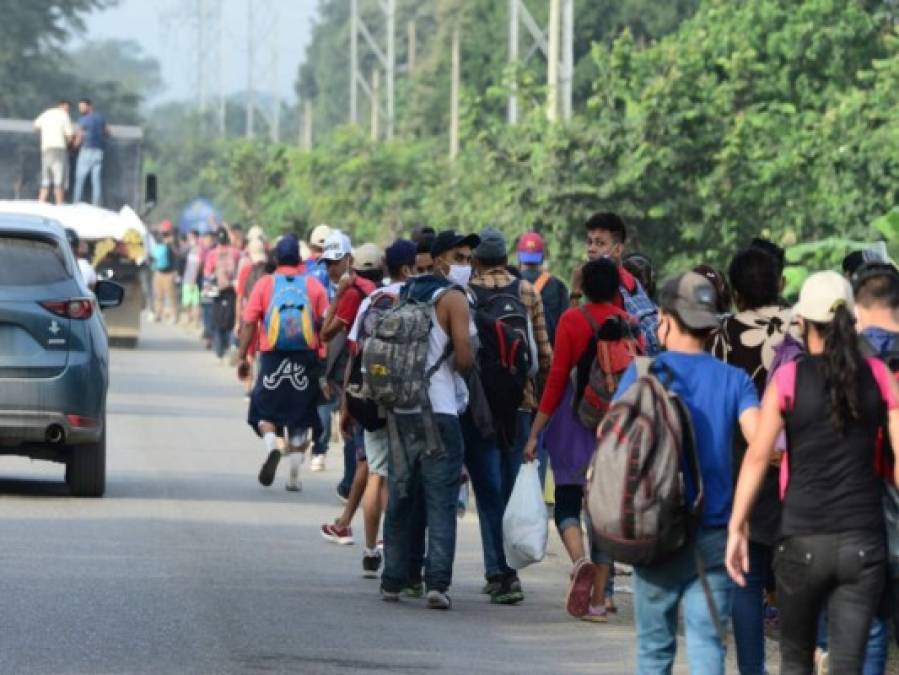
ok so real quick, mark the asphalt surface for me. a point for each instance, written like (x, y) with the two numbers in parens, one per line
(188, 565)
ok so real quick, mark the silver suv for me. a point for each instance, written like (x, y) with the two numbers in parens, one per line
(54, 353)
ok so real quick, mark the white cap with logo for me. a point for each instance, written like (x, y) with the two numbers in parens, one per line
(319, 236)
(821, 295)
(337, 246)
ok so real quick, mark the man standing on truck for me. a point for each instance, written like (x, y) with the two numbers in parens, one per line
(91, 141)
(55, 127)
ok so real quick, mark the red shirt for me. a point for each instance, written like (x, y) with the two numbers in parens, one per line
(349, 301)
(261, 296)
(573, 336)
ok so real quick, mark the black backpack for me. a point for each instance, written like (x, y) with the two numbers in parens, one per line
(505, 360)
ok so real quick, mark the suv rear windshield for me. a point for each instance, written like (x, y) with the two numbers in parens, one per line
(30, 261)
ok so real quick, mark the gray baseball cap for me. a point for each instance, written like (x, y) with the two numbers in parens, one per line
(693, 298)
(492, 246)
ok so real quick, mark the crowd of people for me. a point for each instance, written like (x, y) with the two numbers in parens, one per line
(63, 143)
(447, 363)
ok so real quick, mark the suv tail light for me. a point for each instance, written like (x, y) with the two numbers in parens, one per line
(79, 309)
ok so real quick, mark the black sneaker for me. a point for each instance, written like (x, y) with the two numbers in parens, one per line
(371, 563)
(509, 593)
(493, 585)
(389, 596)
(269, 468)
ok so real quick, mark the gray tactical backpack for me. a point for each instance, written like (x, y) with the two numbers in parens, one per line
(394, 361)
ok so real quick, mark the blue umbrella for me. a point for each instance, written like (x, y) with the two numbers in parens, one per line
(199, 215)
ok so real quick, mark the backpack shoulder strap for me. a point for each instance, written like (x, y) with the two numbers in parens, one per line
(643, 365)
(594, 327)
(541, 281)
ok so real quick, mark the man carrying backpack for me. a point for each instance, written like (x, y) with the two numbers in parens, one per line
(876, 289)
(514, 348)
(284, 310)
(606, 237)
(553, 291)
(718, 398)
(414, 366)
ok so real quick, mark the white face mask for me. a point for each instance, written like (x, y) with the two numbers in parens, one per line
(459, 274)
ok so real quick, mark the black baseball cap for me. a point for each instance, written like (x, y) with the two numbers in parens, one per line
(693, 298)
(448, 240)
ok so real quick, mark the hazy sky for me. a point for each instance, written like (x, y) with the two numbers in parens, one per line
(167, 30)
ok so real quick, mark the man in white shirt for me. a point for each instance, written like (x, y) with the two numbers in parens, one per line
(55, 127)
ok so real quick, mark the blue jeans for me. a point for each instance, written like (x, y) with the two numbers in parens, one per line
(876, 651)
(413, 466)
(206, 309)
(350, 455)
(221, 339)
(89, 163)
(493, 472)
(660, 589)
(749, 612)
(325, 410)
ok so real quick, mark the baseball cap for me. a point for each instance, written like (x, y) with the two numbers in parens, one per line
(165, 226)
(367, 257)
(492, 246)
(530, 249)
(693, 298)
(401, 252)
(448, 240)
(256, 251)
(858, 258)
(287, 251)
(319, 236)
(337, 246)
(820, 296)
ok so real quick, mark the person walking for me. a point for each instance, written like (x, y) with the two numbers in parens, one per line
(749, 340)
(570, 442)
(415, 470)
(833, 404)
(493, 463)
(90, 140)
(607, 237)
(553, 291)
(283, 312)
(164, 256)
(220, 279)
(721, 402)
(190, 288)
(57, 133)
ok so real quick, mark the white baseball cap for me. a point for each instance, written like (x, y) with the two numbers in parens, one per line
(319, 236)
(368, 257)
(337, 246)
(821, 295)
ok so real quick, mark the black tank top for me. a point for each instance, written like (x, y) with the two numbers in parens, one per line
(833, 484)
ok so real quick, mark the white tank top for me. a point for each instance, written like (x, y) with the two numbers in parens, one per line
(447, 391)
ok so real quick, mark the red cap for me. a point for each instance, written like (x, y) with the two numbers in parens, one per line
(165, 226)
(530, 248)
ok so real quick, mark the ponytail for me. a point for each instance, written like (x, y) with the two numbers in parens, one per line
(843, 361)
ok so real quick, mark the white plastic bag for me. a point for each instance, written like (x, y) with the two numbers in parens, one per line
(525, 523)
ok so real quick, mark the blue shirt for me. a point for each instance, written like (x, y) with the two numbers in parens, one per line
(716, 394)
(319, 270)
(93, 125)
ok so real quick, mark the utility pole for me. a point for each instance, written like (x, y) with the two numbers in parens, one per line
(386, 58)
(354, 61)
(375, 109)
(454, 98)
(276, 102)
(251, 98)
(552, 60)
(412, 37)
(220, 67)
(557, 40)
(201, 74)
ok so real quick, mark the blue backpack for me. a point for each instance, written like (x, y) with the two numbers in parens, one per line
(289, 325)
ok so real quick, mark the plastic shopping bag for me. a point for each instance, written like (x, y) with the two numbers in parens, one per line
(525, 524)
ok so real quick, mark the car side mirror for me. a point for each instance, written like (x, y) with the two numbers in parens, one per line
(109, 294)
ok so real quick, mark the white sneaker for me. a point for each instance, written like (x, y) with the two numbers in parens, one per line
(317, 464)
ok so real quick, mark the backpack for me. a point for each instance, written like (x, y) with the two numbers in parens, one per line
(362, 409)
(639, 306)
(635, 493)
(162, 258)
(505, 359)
(395, 375)
(612, 349)
(288, 323)
(256, 273)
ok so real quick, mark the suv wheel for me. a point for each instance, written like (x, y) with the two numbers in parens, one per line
(86, 468)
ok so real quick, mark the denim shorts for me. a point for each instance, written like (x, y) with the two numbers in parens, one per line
(567, 513)
(376, 451)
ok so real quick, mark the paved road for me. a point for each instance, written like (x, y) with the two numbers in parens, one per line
(190, 566)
